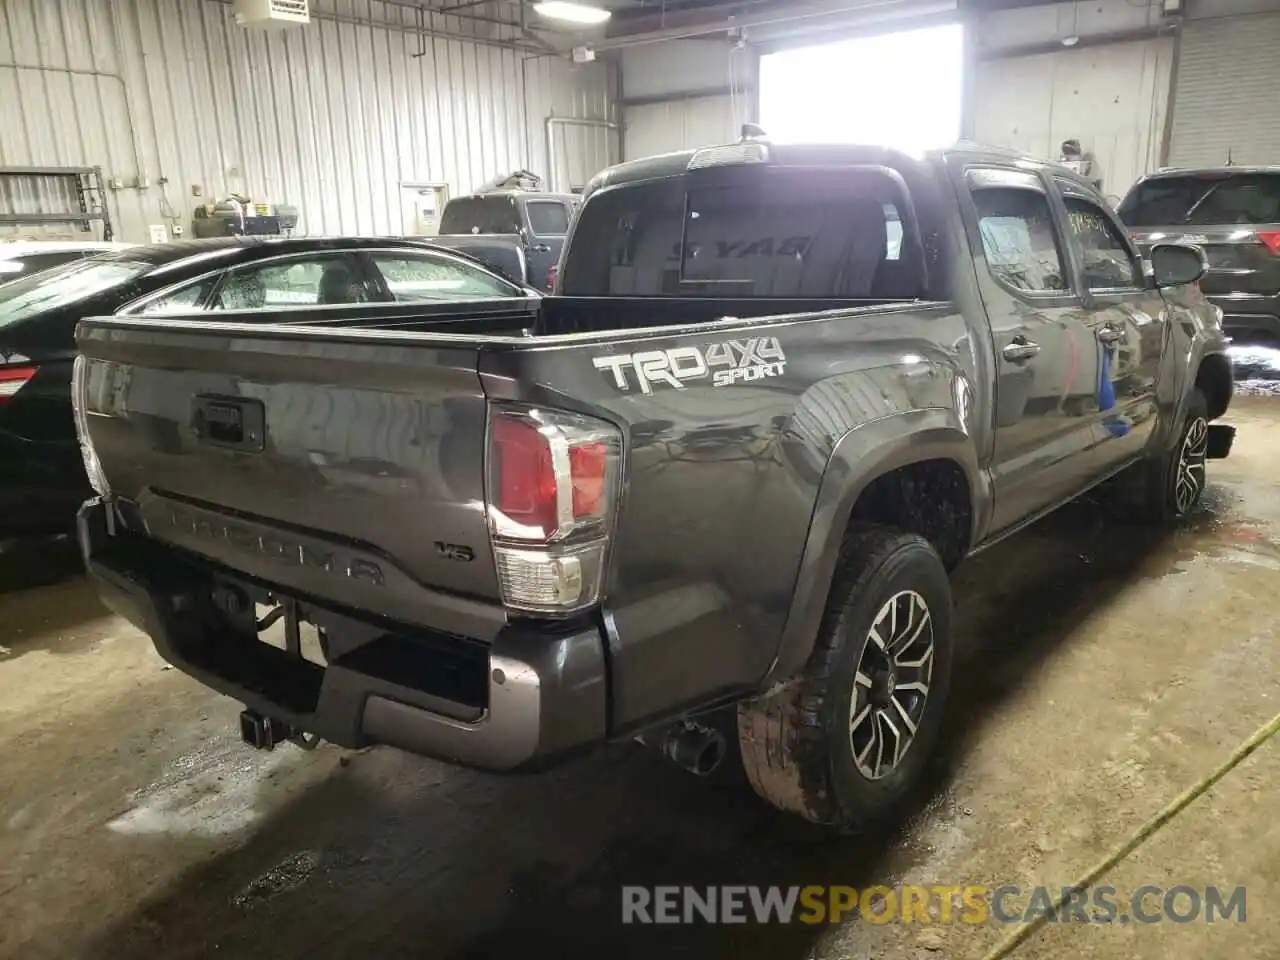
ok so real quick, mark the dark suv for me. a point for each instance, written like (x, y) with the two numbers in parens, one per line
(1234, 214)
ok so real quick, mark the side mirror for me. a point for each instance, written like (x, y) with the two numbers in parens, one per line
(1176, 264)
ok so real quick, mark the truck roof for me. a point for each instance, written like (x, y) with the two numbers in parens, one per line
(824, 154)
(514, 193)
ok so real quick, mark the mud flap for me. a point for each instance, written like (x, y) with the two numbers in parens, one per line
(1221, 437)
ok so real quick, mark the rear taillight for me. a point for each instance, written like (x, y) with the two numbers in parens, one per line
(551, 278)
(1271, 240)
(79, 405)
(13, 379)
(551, 495)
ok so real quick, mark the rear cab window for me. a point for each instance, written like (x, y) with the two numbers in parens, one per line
(1204, 199)
(480, 215)
(766, 232)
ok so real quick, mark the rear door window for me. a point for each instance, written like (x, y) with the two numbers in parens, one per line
(788, 233)
(188, 299)
(1019, 240)
(1204, 199)
(322, 280)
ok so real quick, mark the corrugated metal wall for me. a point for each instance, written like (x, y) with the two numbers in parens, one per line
(685, 93)
(331, 117)
(680, 125)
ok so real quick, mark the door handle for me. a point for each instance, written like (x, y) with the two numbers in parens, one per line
(1021, 349)
(1110, 334)
(541, 248)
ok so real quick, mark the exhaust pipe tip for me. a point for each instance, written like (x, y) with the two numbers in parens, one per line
(690, 746)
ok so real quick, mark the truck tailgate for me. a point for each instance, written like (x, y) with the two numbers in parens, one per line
(340, 464)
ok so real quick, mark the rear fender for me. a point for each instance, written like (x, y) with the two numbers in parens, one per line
(862, 455)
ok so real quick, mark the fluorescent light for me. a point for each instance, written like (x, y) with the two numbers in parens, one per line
(10, 266)
(571, 12)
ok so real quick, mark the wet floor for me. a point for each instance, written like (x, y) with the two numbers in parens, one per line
(1105, 669)
(1256, 368)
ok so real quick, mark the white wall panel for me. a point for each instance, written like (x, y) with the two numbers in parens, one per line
(1112, 99)
(331, 117)
(682, 66)
(679, 125)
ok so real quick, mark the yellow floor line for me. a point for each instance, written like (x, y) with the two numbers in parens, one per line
(1144, 833)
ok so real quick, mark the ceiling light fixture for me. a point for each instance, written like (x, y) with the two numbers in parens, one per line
(571, 12)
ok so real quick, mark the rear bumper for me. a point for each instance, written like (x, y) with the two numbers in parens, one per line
(525, 700)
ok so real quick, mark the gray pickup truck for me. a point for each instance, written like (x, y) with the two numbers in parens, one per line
(518, 233)
(781, 392)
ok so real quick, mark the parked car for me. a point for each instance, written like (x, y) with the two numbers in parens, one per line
(42, 479)
(1233, 213)
(732, 466)
(518, 233)
(21, 258)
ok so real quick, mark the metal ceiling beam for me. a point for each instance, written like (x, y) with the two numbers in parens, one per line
(725, 19)
(648, 18)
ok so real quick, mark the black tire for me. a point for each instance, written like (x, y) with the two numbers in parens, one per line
(798, 743)
(1165, 497)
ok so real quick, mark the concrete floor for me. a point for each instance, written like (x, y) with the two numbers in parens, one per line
(1105, 669)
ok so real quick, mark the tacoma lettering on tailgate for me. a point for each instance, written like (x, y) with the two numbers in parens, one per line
(270, 544)
(726, 363)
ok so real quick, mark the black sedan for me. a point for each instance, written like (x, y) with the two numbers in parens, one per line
(42, 478)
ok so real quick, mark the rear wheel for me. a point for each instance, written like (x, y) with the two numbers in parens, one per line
(845, 744)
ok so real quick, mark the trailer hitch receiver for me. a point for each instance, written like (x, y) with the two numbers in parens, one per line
(262, 733)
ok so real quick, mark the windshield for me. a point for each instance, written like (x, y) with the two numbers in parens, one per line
(1204, 199)
(480, 215)
(795, 233)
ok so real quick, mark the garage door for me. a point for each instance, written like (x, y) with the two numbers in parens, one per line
(1226, 93)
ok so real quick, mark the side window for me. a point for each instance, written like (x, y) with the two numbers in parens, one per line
(417, 277)
(295, 282)
(1018, 239)
(548, 218)
(187, 300)
(1108, 263)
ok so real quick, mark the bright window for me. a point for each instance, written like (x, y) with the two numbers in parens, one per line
(901, 90)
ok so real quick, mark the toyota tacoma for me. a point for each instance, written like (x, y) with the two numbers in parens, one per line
(780, 393)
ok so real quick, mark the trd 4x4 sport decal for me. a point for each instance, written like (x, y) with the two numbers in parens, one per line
(729, 362)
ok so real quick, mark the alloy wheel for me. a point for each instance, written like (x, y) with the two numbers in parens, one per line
(891, 686)
(1190, 481)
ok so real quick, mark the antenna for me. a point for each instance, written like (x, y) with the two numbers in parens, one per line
(1229, 163)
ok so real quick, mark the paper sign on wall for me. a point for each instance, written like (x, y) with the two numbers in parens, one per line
(159, 233)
